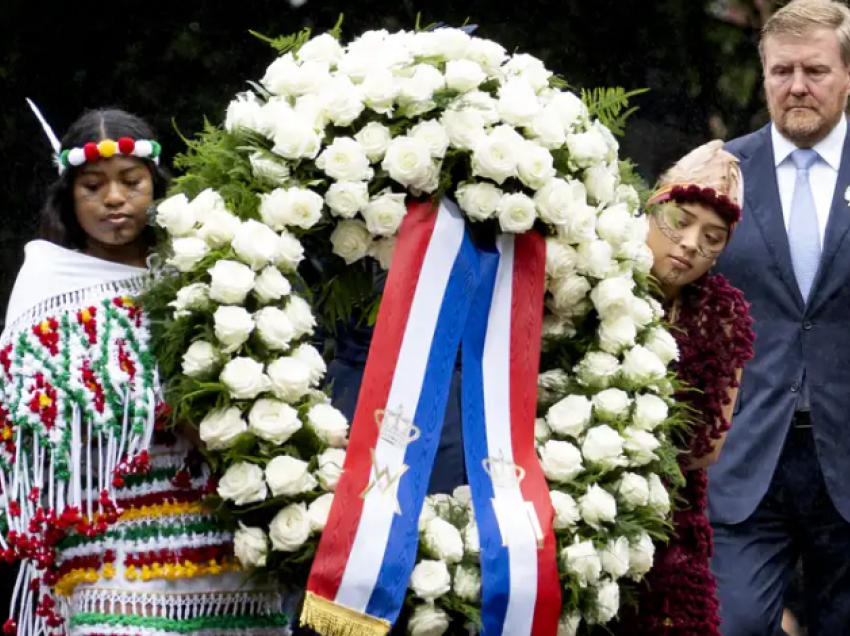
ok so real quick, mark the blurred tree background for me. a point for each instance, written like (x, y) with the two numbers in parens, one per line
(178, 62)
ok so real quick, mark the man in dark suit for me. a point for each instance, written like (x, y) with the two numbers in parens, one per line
(781, 489)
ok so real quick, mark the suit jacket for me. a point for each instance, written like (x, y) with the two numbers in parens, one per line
(790, 336)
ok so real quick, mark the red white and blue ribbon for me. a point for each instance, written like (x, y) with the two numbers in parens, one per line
(368, 549)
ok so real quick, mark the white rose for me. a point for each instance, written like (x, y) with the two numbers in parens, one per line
(273, 421)
(220, 428)
(331, 462)
(650, 411)
(548, 130)
(607, 601)
(251, 546)
(603, 446)
(432, 133)
(659, 498)
(289, 476)
(443, 541)
(290, 379)
(274, 207)
(615, 557)
(428, 620)
(570, 109)
(329, 424)
(175, 215)
(233, 327)
(518, 105)
(617, 334)
(290, 528)
(479, 200)
(309, 108)
(255, 244)
(218, 228)
(640, 445)
(271, 285)
(642, 367)
(583, 561)
(641, 555)
(244, 378)
(243, 112)
(268, 169)
(556, 327)
(351, 240)
(280, 74)
(305, 208)
(597, 506)
(309, 355)
(319, 511)
(408, 161)
(495, 158)
(346, 199)
(571, 416)
(569, 291)
(464, 75)
(380, 89)
(612, 405)
(613, 297)
(530, 69)
(289, 252)
(471, 540)
(595, 258)
(243, 484)
(206, 203)
(483, 103)
(374, 138)
(516, 213)
(569, 624)
(231, 282)
(560, 258)
(558, 199)
(610, 142)
(465, 127)
(276, 111)
(587, 148)
(561, 461)
(601, 183)
(597, 369)
(542, 432)
(451, 43)
(628, 195)
(341, 101)
(274, 328)
(633, 491)
(551, 385)
(295, 138)
(463, 495)
(200, 359)
(345, 160)
(299, 314)
(536, 166)
(467, 583)
(191, 297)
(382, 251)
(385, 213)
(429, 510)
(421, 86)
(490, 55)
(324, 48)
(566, 510)
(580, 225)
(642, 313)
(614, 224)
(430, 580)
(188, 252)
(660, 342)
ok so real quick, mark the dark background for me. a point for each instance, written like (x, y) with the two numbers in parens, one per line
(176, 62)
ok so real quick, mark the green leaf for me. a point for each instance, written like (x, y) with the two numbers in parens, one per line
(611, 106)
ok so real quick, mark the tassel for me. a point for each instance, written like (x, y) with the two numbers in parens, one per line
(331, 619)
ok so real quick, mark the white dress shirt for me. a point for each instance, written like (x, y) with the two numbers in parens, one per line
(823, 174)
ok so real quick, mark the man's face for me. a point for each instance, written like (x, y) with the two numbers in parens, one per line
(806, 84)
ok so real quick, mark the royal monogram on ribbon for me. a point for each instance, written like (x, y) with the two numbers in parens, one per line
(443, 295)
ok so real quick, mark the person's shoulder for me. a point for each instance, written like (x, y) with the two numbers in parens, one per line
(744, 146)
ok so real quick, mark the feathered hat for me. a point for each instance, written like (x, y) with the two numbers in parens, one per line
(709, 175)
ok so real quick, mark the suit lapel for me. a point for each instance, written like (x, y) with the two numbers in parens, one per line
(761, 196)
(839, 220)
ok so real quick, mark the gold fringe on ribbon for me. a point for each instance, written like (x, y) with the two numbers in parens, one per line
(331, 619)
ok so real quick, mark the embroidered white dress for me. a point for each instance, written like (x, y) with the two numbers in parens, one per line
(103, 507)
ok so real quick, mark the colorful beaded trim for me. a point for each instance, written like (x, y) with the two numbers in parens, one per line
(141, 148)
(727, 209)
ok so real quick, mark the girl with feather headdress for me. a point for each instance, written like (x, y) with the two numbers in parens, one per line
(691, 218)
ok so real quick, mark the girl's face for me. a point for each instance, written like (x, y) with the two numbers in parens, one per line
(686, 239)
(111, 198)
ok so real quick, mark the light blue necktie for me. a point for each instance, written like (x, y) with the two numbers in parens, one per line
(804, 239)
(803, 229)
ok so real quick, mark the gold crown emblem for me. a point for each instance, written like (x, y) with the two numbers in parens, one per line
(503, 473)
(395, 428)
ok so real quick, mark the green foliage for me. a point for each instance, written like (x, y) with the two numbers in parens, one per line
(287, 43)
(611, 106)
